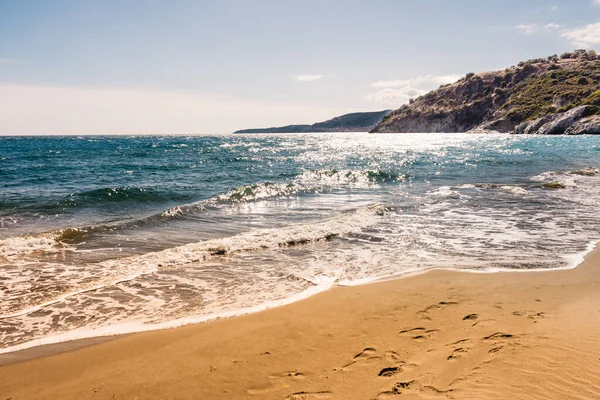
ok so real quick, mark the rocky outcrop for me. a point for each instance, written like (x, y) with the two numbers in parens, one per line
(550, 96)
(553, 124)
(585, 126)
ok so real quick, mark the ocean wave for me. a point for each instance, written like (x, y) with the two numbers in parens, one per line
(13, 247)
(260, 191)
(310, 181)
(119, 195)
(128, 268)
(514, 189)
(239, 194)
(580, 186)
(586, 172)
(334, 177)
(556, 180)
(95, 198)
(517, 190)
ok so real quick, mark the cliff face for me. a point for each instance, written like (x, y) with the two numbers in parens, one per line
(513, 100)
(354, 122)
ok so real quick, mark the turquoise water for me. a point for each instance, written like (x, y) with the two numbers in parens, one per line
(103, 235)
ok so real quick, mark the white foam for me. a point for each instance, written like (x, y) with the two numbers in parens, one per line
(129, 268)
(322, 283)
(575, 260)
(443, 191)
(135, 327)
(83, 288)
(17, 246)
(514, 189)
(564, 179)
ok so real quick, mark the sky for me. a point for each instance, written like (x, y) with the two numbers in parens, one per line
(202, 67)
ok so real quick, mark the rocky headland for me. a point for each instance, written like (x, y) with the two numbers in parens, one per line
(353, 122)
(549, 96)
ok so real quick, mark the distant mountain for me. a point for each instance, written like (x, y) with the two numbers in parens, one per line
(554, 95)
(354, 122)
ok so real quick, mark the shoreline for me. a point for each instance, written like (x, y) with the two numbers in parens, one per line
(57, 344)
(442, 334)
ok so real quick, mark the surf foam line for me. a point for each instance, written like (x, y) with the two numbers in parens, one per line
(325, 283)
(573, 261)
(129, 268)
(322, 284)
(13, 247)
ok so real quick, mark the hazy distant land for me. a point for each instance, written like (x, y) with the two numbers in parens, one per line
(353, 122)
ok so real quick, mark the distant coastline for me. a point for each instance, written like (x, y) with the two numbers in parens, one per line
(353, 122)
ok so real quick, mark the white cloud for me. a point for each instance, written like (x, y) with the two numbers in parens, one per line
(398, 92)
(29, 109)
(396, 96)
(596, 2)
(309, 78)
(11, 61)
(553, 8)
(419, 80)
(529, 29)
(584, 36)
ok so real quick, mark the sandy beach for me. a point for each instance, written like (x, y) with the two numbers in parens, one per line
(442, 334)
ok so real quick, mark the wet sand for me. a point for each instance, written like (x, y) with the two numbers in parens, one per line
(443, 334)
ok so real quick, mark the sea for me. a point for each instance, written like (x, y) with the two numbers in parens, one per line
(105, 235)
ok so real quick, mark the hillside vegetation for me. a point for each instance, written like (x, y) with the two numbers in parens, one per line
(533, 93)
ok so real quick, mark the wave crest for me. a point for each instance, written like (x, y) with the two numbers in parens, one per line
(334, 177)
(128, 268)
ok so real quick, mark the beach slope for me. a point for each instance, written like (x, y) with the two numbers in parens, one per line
(443, 334)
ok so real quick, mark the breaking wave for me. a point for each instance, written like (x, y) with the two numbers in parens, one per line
(128, 268)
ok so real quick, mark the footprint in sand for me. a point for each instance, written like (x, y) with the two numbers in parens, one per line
(419, 334)
(534, 315)
(389, 371)
(499, 339)
(415, 388)
(471, 317)
(366, 357)
(499, 336)
(411, 331)
(394, 357)
(459, 349)
(424, 314)
(458, 353)
(484, 322)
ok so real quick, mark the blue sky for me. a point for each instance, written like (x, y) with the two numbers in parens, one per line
(104, 66)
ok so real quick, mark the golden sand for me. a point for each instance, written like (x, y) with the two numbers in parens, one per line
(443, 334)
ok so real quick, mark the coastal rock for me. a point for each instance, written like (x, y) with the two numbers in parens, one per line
(589, 126)
(546, 96)
(501, 125)
(554, 124)
(531, 127)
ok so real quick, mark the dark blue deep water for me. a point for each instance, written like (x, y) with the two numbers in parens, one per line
(102, 235)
